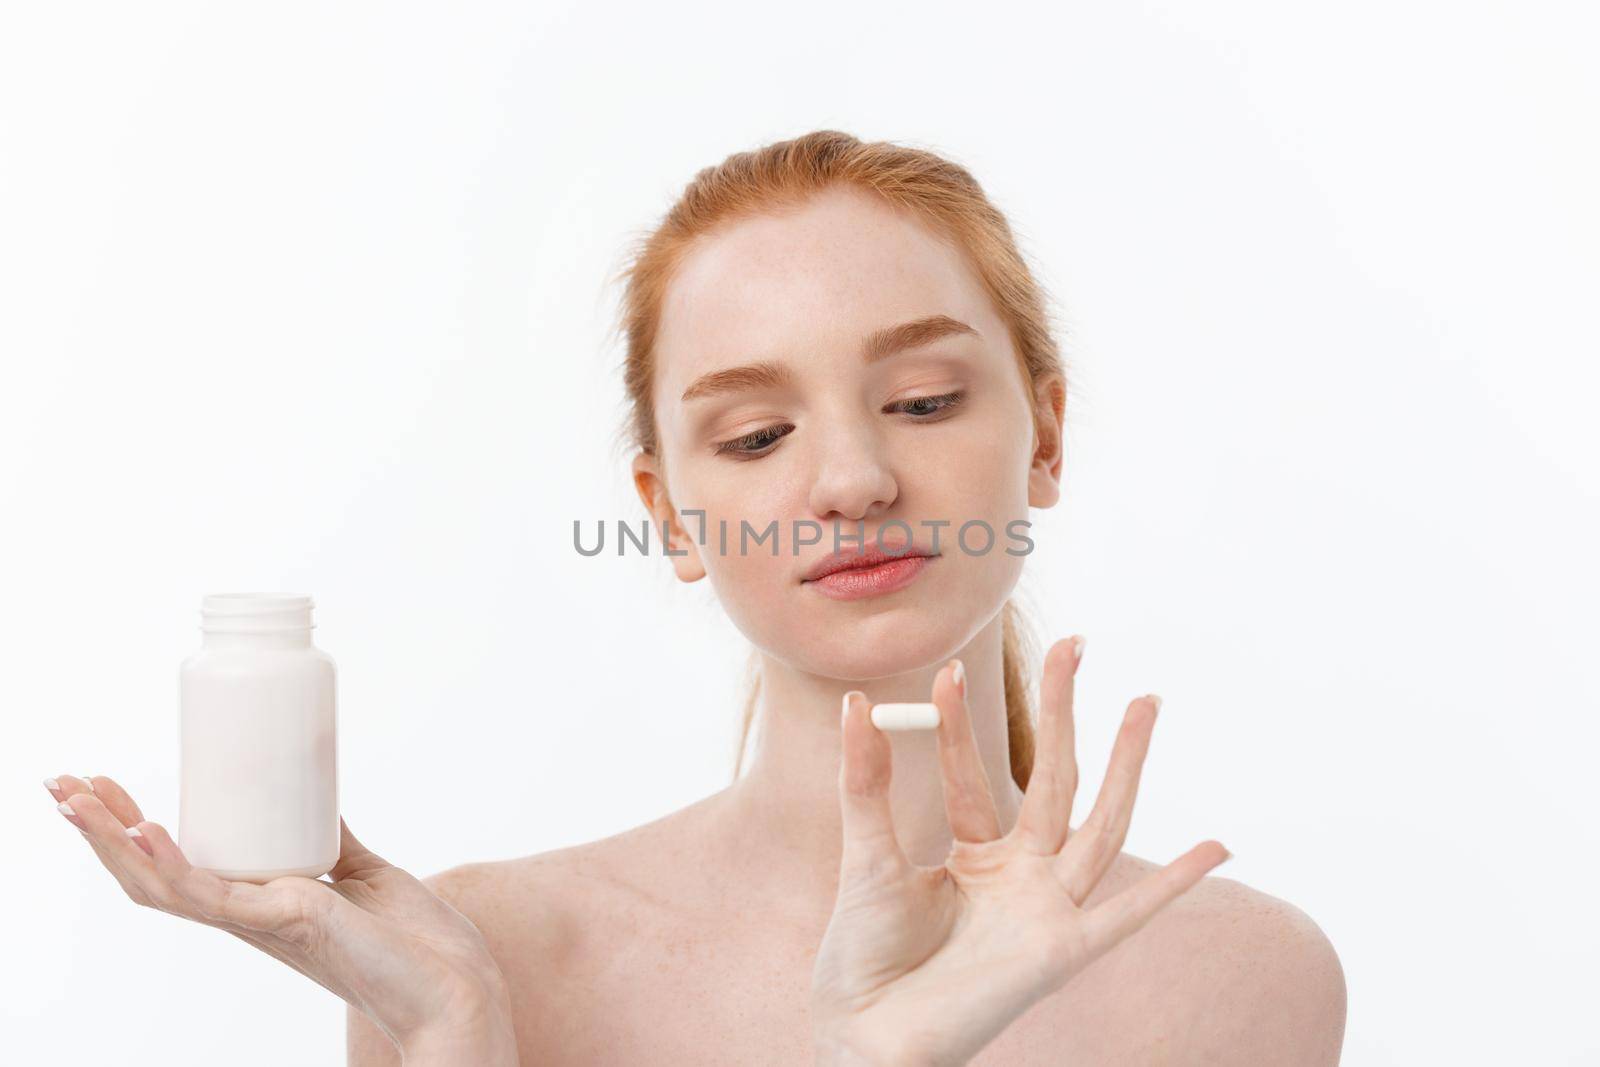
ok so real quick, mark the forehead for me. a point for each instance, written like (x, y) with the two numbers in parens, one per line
(810, 281)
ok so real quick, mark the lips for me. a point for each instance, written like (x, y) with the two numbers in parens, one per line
(860, 559)
(857, 583)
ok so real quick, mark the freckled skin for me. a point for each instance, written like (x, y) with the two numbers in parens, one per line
(806, 290)
(633, 955)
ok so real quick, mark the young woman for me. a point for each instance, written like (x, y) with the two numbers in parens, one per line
(835, 336)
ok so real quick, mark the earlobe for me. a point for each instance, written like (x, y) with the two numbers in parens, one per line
(1049, 440)
(682, 552)
(1044, 486)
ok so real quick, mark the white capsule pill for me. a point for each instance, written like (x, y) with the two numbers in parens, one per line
(905, 716)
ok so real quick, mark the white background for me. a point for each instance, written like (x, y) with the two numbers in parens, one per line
(314, 298)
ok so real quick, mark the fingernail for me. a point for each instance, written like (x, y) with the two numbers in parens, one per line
(1156, 701)
(844, 707)
(88, 781)
(72, 816)
(959, 676)
(1077, 650)
(133, 831)
(52, 785)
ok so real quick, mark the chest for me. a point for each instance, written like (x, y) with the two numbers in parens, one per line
(705, 998)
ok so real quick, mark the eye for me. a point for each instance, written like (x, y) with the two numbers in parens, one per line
(759, 443)
(754, 444)
(923, 407)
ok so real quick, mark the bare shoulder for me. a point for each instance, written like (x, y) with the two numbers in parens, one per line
(562, 906)
(536, 903)
(628, 861)
(569, 927)
(1230, 974)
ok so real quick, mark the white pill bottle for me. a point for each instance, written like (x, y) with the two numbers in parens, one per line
(258, 764)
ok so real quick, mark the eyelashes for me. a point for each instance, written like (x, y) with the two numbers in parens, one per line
(752, 444)
(918, 409)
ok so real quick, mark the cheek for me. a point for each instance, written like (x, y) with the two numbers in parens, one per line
(987, 479)
(738, 551)
(987, 490)
(757, 588)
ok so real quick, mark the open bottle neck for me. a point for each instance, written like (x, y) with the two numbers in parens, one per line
(256, 621)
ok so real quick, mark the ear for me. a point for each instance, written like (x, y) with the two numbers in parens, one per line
(1049, 441)
(652, 487)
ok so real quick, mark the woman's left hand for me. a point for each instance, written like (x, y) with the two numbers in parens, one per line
(926, 965)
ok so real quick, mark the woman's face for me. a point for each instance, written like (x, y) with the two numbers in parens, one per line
(827, 438)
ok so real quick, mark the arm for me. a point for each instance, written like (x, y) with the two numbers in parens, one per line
(482, 1036)
(486, 1039)
(478, 1030)
(365, 1044)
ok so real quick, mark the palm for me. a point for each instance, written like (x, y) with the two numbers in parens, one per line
(382, 922)
(940, 959)
(373, 934)
(900, 944)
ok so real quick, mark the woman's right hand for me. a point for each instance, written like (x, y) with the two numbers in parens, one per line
(926, 965)
(374, 935)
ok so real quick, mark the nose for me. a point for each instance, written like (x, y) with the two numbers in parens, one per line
(854, 476)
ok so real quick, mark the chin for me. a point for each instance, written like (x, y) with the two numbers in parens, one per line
(874, 637)
(877, 647)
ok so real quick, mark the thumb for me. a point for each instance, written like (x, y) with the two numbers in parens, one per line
(355, 859)
(870, 844)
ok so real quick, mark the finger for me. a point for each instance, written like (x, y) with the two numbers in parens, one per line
(1109, 922)
(1090, 851)
(68, 785)
(138, 872)
(68, 812)
(355, 859)
(1047, 803)
(352, 878)
(968, 800)
(870, 845)
(116, 849)
(117, 800)
(358, 865)
(120, 804)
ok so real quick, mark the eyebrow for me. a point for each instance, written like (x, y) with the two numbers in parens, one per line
(879, 344)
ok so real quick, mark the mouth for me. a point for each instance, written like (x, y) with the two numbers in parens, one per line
(851, 576)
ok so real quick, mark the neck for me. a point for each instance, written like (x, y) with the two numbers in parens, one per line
(783, 815)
